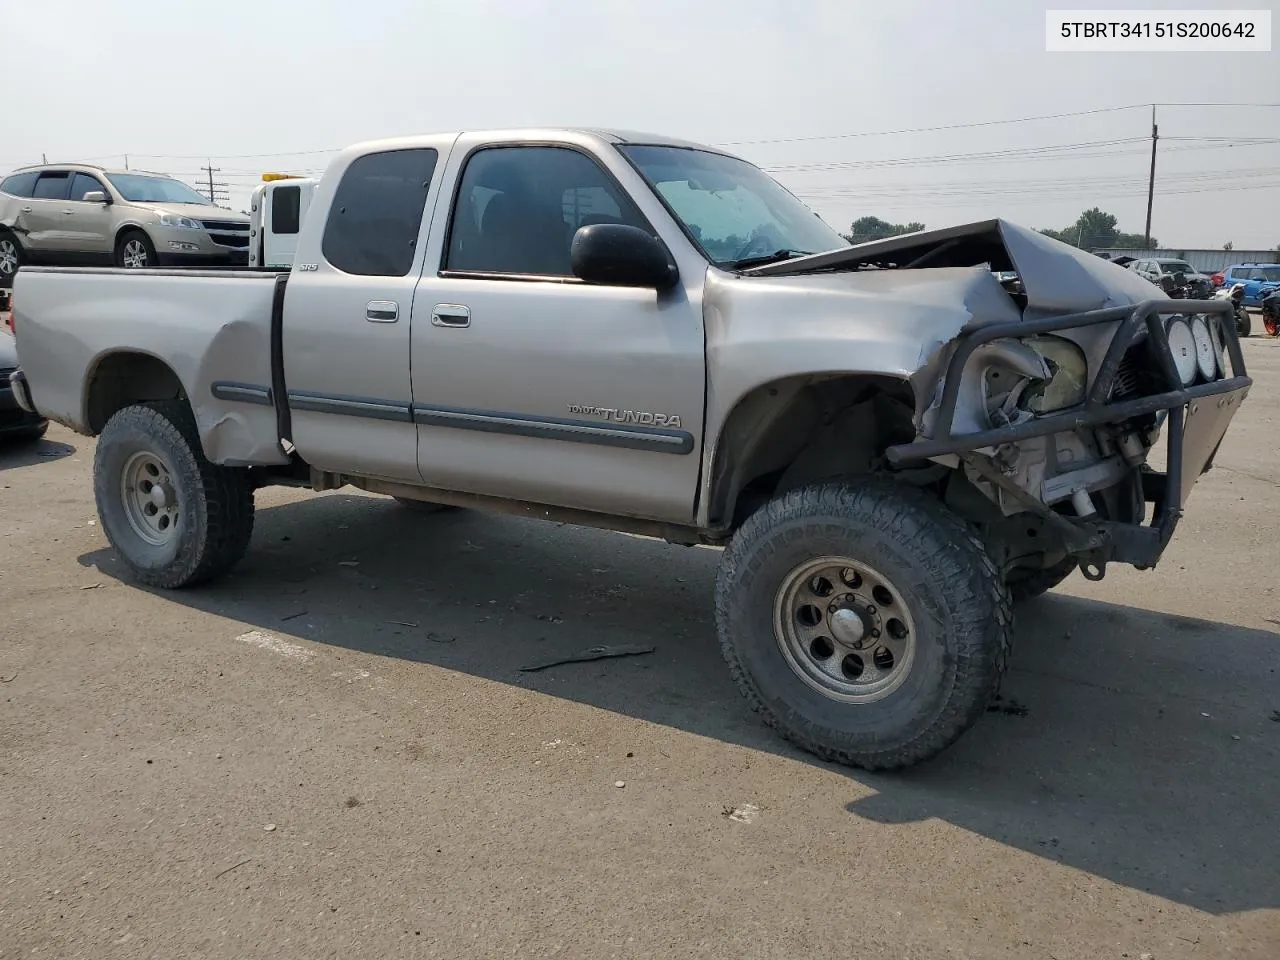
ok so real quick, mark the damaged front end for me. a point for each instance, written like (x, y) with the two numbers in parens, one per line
(1018, 411)
(1051, 419)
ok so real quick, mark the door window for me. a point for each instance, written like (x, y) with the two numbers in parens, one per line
(373, 224)
(52, 186)
(517, 209)
(82, 183)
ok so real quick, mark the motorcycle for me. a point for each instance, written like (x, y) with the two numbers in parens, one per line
(1235, 293)
(1271, 313)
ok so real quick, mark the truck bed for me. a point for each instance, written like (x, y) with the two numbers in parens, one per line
(80, 329)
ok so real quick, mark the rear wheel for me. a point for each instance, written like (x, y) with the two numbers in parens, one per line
(174, 518)
(11, 258)
(134, 251)
(866, 624)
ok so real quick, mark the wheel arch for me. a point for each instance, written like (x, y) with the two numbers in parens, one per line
(800, 429)
(121, 378)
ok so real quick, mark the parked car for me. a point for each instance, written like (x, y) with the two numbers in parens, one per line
(1259, 279)
(15, 422)
(1156, 269)
(647, 335)
(82, 214)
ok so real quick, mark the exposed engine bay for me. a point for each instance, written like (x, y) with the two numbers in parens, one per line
(1052, 418)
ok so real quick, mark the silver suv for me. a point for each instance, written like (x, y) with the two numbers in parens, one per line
(75, 213)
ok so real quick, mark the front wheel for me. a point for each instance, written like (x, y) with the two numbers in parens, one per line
(867, 624)
(174, 518)
(134, 251)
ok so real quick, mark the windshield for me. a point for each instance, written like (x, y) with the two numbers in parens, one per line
(138, 188)
(731, 209)
(1175, 266)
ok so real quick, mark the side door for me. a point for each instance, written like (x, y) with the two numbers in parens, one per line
(532, 385)
(40, 219)
(88, 222)
(347, 308)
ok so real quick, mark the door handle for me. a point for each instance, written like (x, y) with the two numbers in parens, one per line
(450, 315)
(382, 311)
(25, 210)
(68, 213)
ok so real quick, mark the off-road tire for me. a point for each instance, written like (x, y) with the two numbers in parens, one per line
(1026, 584)
(14, 249)
(424, 506)
(215, 504)
(957, 598)
(147, 246)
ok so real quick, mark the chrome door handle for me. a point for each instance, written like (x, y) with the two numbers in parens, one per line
(382, 311)
(68, 213)
(450, 315)
(25, 210)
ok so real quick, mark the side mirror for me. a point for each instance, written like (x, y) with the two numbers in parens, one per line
(96, 196)
(622, 256)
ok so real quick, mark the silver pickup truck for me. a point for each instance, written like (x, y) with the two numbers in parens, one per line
(893, 441)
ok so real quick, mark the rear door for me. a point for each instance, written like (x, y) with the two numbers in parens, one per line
(347, 311)
(41, 218)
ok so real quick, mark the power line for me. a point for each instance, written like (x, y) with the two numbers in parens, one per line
(980, 123)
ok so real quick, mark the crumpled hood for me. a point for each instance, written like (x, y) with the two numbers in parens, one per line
(1057, 277)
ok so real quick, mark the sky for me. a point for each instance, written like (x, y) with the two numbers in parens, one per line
(816, 92)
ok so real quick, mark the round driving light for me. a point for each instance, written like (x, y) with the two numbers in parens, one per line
(1183, 347)
(1219, 344)
(1206, 361)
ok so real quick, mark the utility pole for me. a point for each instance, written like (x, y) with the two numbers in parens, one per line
(217, 190)
(44, 158)
(126, 161)
(1151, 182)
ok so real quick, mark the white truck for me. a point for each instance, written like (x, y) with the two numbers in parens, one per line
(648, 335)
(276, 211)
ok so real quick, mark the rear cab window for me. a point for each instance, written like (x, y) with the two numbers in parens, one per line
(373, 224)
(286, 206)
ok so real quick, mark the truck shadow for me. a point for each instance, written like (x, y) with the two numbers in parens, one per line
(25, 453)
(1131, 745)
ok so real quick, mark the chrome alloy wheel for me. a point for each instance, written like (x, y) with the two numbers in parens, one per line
(844, 629)
(135, 254)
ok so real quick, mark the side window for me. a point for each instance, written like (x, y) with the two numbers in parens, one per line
(373, 224)
(20, 184)
(1254, 274)
(286, 204)
(82, 183)
(518, 208)
(52, 186)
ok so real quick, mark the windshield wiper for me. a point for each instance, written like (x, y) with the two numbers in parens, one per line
(761, 259)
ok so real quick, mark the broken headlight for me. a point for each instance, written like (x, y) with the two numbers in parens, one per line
(1068, 375)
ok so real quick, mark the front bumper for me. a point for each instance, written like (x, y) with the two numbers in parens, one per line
(1197, 419)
